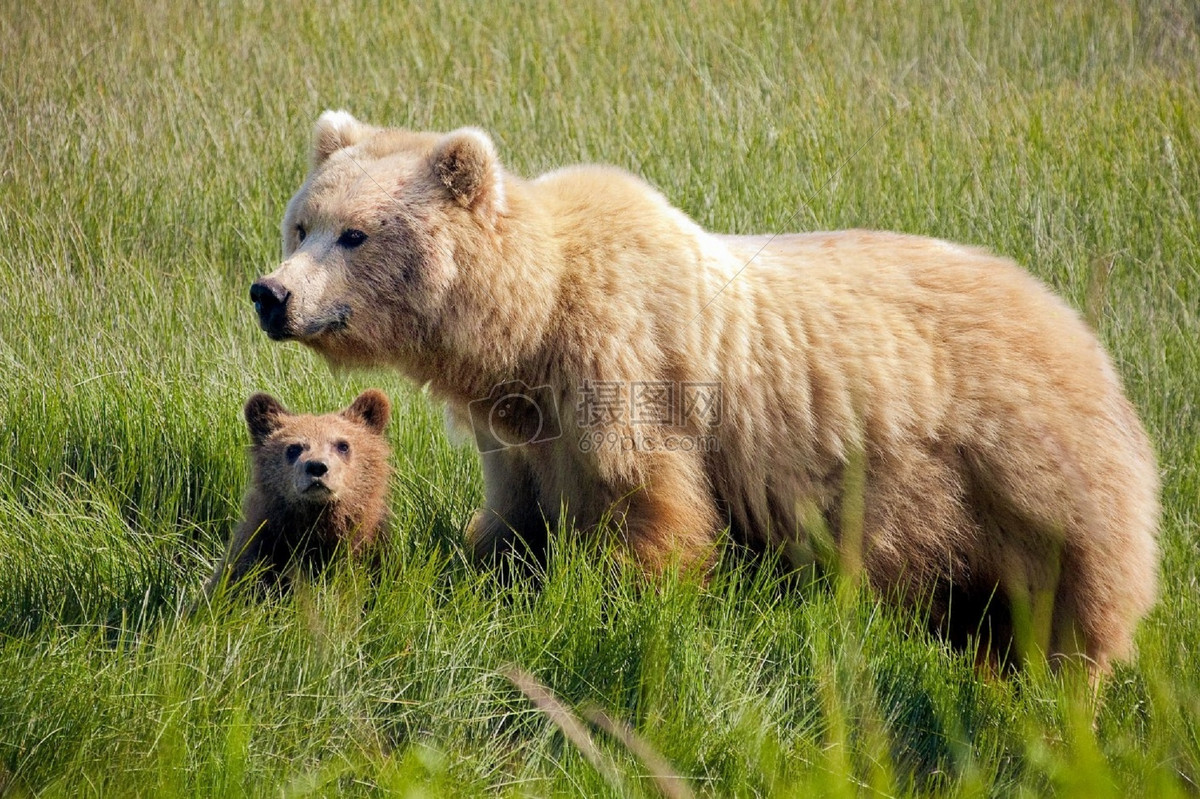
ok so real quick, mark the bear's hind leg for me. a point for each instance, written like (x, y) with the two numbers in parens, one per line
(1093, 619)
(1071, 551)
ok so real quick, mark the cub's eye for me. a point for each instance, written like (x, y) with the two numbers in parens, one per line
(301, 232)
(343, 447)
(292, 452)
(351, 238)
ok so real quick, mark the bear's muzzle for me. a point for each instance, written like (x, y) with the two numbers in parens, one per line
(270, 300)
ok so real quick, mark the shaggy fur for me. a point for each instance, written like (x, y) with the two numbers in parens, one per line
(1004, 468)
(319, 482)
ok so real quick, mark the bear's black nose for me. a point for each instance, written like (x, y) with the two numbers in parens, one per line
(270, 301)
(315, 468)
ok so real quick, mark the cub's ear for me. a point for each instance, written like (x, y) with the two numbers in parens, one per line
(333, 131)
(264, 415)
(371, 409)
(466, 164)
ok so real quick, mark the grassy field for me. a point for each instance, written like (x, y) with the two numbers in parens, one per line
(148, 154)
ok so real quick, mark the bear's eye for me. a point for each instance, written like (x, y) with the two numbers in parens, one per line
(301, 232)
(351, 238)
(292, 452)
(343, 447)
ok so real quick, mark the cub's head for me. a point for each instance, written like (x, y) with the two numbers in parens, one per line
(301, 459)
(374, 241)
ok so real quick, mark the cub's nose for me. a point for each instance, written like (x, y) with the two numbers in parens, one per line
(270, 301)
(315, 468)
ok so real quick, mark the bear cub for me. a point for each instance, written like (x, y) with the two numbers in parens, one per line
(318, 483)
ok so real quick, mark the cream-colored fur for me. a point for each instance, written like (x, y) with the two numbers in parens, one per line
(1000, 454)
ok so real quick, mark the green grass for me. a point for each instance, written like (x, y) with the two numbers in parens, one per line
(148, 154)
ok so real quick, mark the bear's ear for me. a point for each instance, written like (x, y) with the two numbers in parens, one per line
(264, 415)
(333, 131)
(371, 409)
(465, 162)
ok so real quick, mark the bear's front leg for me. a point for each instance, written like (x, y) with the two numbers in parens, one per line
(242, 554)
(511, 520)
(671, 519)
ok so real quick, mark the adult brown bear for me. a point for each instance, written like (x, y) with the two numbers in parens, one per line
(1003, 463)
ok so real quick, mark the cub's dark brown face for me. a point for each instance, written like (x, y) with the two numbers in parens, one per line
(308, 465)
(369, 254)
(302, 459)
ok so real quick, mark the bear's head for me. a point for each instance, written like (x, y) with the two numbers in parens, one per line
(381, 239)
(302, 460)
